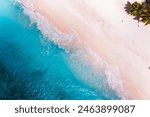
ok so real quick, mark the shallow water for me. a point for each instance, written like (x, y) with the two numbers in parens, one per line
(33, 67)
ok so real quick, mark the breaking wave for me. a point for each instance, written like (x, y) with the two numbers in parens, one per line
(98, 74)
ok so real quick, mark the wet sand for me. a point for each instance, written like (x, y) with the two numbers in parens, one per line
(110, 32)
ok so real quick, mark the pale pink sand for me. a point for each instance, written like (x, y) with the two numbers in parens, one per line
(109, 32)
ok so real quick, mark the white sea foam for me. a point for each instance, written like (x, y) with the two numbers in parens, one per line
(70, 43)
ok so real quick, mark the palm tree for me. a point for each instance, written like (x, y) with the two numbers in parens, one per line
(136, 10)
(140, 11)
(145, 17)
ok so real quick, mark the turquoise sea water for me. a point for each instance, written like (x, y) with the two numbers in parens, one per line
(32, 67)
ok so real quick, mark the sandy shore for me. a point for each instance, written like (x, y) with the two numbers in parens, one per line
(110, 32)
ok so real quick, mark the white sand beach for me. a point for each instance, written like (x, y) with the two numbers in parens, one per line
(110, 32)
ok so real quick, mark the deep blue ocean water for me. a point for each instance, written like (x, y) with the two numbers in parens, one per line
(32, 67)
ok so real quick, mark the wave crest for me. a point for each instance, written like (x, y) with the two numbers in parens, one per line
(70, 43)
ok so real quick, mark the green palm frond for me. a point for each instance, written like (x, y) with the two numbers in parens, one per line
(141, 11)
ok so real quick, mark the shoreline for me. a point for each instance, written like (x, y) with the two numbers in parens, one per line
(118, 43)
